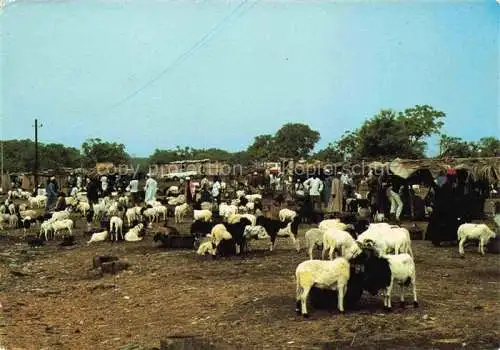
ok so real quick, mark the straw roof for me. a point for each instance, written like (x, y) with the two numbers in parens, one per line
(479, 168)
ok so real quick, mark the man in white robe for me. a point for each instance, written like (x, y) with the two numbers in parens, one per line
(150, 189)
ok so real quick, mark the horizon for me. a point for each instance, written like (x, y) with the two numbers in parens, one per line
(145, 76)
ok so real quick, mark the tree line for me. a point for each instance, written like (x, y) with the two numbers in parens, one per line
(387, 134)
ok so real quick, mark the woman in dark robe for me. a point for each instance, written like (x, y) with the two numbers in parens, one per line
(448, 212)
(93, 190)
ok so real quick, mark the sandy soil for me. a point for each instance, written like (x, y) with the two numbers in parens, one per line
(51, 300)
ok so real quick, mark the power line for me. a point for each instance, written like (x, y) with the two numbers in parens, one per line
(200, 43)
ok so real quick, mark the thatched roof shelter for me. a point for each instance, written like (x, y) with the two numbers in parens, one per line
(479, 168)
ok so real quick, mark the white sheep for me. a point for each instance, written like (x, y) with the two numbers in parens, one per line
(26, 213)
(99, 237)
(203, 215)
(150, 214)
(131, 215)
(253, 197)
(116, 225)
(206, 206)
(250, 206)
(46, 228)
(13, 220)
(250, 217)
(402, 271)
(207, 247)
(64, 224)
(287, 232)
(469, 231)
(334, 239)
(219, 233)
(226, 211)
(333, 275)
(314, 238)
(386, 238)
(239, 194)
(180, 212)
(133, 234)
(287, 214)
(83, 207)
(60, 215)
(160, 210)
(254, 232)
(332, 223)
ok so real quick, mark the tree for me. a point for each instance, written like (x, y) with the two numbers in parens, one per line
(330, 153)
(96, 151)
(391, 134)
(489, 147)
(54, 155)
(262, 148)
(295, 140)
(455, 147)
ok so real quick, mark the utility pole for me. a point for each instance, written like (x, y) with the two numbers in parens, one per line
(35, 170)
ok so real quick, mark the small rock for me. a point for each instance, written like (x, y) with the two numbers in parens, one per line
(291, 342)
(126, 297)
(425, 317)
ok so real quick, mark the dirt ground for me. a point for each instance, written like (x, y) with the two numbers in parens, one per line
(51, 300)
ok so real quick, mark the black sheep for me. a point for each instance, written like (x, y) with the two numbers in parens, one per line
(201, 228)
(237, 231)
(273, 226)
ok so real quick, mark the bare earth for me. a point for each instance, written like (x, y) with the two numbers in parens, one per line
(51, 300)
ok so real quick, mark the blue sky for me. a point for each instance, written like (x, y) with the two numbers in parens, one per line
(85, 68)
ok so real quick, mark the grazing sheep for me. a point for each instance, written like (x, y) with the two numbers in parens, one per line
(382, 271)
(99, 236)
(26, 213)
(199, 227)
(226, 211)
(203, 215)
(131, 215)
(287, 214)
(180, 212)
(83, 207)
(334, 239)
(161, 210)
(314, 238)
(60, 215)
(332, 223)
(64, 224)
(149, 213)
(116, 225)
(278, 228)
(480, 232)
(387, 239)
(333, 275)
(254, 232)
(207, 247)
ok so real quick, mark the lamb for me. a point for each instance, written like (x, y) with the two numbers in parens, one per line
(131, 215)
(206, 206)
(387, 239)
(149, 213)
(207, 247)
(382, 271)
(287, 214)
(219, 232)
(332, 223)
(341, 240)
(60, 215)
(333, 275)
(45, 228)
(474, 231)
(314, 238)
(253, 197)
(133, 235)
(65, 224)
(99, 237)
(116, 225)
(277, 228)
(180, 212)
(227, 210)
(204, 215)
(161, 209)
(83, 207)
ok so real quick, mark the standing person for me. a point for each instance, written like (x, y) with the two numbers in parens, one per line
(216, 187)
(92, 190)
(79, 181)
(104, 185)
(187, 191)
(396, 202)
(133, 188)
(382, 198)
(337, 194)
(51, 192)
(150, 189)
(315, 186)
(327, 189)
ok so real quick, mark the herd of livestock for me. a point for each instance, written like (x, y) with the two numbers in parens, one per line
(357, 255)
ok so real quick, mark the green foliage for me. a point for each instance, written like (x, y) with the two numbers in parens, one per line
(457, 147)
(19, 156)
(390, 134)
(97, 151)
(330, 153)
(292, 140)
(295, 140)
